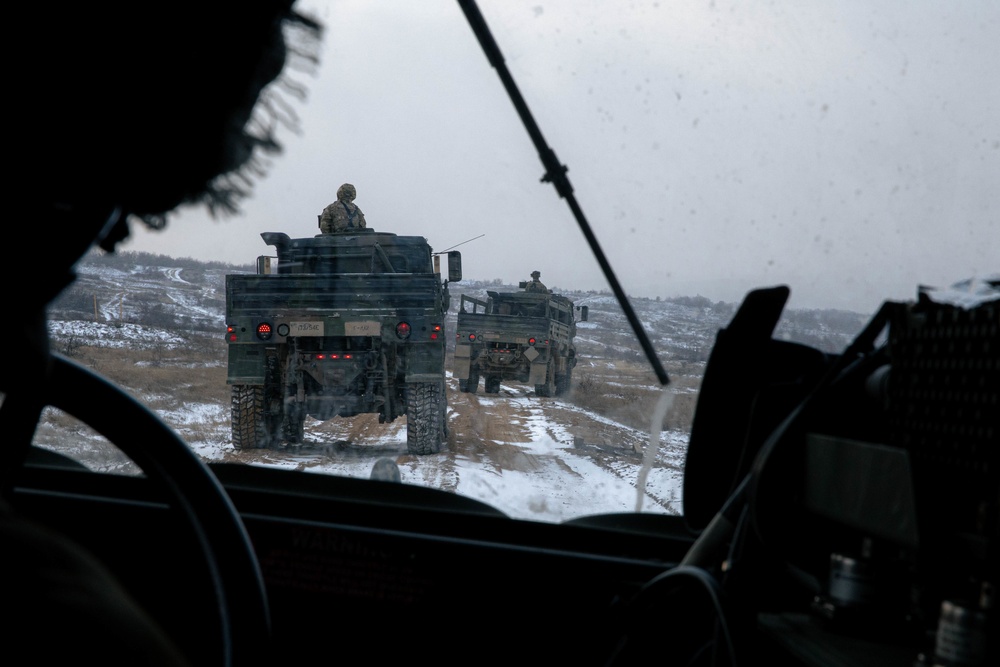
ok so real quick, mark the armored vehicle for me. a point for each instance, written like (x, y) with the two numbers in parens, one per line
(342, 324)
(519, 336)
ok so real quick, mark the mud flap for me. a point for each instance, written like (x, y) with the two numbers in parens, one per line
(537, 375)
(461, 367)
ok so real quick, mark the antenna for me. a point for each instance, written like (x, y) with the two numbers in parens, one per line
(458, 244)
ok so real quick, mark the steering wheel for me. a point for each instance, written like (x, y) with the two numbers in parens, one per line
(191, 487)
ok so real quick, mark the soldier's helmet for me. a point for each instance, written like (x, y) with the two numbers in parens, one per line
(536, 274)
(347, 191)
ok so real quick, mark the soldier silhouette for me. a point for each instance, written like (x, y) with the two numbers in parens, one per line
(535, 285)
(131, 149)
(343, 213)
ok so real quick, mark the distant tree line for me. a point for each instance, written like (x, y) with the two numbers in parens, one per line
(128, 259)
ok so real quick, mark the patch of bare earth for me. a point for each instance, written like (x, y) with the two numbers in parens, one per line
(488, 431)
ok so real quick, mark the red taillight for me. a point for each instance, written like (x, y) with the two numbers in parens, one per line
(264, 330)
(531, 341)
(472, 336)
(403, 330)
(231, 333)
(435, 331)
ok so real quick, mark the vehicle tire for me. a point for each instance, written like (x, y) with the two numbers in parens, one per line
(444, 414)
(472, 384)
(425, 417)
(247, 416)
(563, 382)
(492, 384)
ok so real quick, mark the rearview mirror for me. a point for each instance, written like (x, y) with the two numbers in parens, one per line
(454, 266)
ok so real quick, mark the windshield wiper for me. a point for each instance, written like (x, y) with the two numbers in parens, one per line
(555, 173)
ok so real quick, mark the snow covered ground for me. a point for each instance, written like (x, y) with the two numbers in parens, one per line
(539, 474)
(532, 465)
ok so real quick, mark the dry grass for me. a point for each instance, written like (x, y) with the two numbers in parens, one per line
(160, 376)
(627, 392)
(163, 378)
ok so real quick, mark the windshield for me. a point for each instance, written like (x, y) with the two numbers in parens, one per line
(847, 150)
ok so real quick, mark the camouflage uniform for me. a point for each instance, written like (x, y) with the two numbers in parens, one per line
(343, 213)
(535, 285)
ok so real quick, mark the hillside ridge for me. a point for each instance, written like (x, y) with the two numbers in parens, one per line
(188, 296)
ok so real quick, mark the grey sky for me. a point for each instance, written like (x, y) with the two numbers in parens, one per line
(848, 149)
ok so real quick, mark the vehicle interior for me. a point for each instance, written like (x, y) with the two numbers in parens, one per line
(839, 510)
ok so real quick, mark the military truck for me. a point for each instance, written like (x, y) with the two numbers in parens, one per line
(519, 336)
(339, 324)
